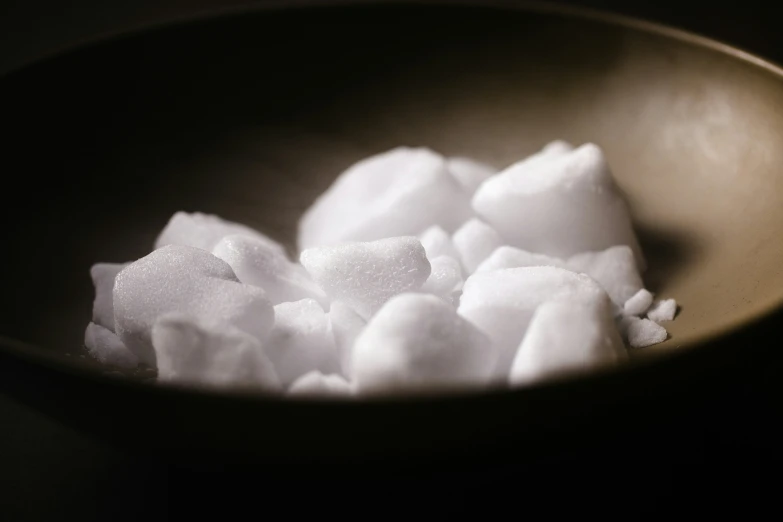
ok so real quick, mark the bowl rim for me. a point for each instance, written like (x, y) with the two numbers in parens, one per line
(53, 361)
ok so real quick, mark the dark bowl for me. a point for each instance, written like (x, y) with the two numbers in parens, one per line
(251, 115)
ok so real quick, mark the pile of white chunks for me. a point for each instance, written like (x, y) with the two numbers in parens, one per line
(417, 273)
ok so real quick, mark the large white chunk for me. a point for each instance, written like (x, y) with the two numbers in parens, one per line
(191, 351)
(558, 203)
(262, 264)
(614, 268)
(469, 172)
(437, 242)
(103, 275)
(318, 384)
(475, 241)
(107, 348)
(189, 280)
(510, 257)
(638, 303)
(664, 310)
(445, 278)
(502, 302)
(301, 341)
(398, 193)
(418, 342)
(204, 231)
(564, 338)
(346, 325)
(517, 173)
(366, 275)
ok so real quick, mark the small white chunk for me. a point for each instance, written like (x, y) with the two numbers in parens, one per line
(346, 325)
(642, 332)
(258, 263)
(204, 231)
(107, 348)
(475, 241)
(614, 268)
(566, 338)
(558, 203)
(103, 275)
(185, 279)
(469, 173)
(318, 384)
(210, 353)
(445, 278)
(663, 310)
(502, 302)
(437, 242)
(301, 341)
(366, 275)
(398, 193)
(510, 257)
(638, 303)
(418, 342)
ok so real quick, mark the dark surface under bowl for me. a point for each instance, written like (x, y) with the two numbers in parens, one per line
(252, 116)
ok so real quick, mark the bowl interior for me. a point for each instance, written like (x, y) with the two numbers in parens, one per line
(251, 117)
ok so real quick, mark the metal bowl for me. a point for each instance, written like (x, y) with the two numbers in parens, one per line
(251, 115)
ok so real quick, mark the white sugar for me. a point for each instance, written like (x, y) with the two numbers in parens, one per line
(365, 275)
(502, 302)
(346, 325)
(642, 332)
(261, 264)
(564, 338)
(415, 273)
(418, 342)
(437, 242)
(469, 173)
(189, 280)
(107, 348)
(301, 341)
(397, 193)
(204, 231)
(558, 203)
(103, 275)
(475, 241)
(210, 353)
(614, 268)
(638, 303)
(317, 384)
(663, 310)
(445, 278)
(510, 257)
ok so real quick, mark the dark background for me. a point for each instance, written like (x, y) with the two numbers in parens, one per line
(30, 28)
(49, 472)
